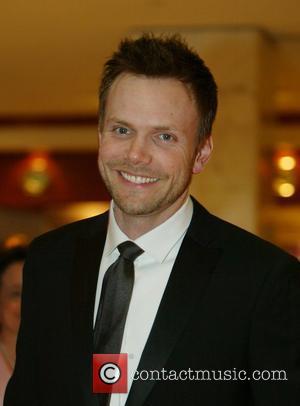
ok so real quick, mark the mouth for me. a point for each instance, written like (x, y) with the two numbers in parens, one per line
(137, 179)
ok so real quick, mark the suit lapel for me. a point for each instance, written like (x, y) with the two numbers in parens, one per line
(190, 275)
(89, 249)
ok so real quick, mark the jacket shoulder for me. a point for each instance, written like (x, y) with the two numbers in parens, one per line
(237, 242)
(72, 231)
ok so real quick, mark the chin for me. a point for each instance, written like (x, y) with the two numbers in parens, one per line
(136, 208)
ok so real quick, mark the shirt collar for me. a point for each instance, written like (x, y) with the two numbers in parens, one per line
(168, 232)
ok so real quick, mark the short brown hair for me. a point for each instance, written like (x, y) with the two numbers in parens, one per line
(9, 256)
(159, 57)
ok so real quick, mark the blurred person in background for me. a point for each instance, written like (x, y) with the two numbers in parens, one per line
(11, 268)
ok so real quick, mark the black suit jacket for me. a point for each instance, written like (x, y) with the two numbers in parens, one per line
(231, 303)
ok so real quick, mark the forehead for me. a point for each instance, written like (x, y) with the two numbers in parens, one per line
(145, 96)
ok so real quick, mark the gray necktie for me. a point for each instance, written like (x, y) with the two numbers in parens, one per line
(114, 303)
(115, 299)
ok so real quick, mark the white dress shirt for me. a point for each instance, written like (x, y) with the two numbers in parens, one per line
(152, 271)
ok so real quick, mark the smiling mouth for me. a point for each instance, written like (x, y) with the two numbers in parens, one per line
(138, 180)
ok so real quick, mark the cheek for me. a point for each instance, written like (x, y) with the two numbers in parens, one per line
(11, 309)
(16, 308)
(178, 163)
(108, 152)
(11, 317)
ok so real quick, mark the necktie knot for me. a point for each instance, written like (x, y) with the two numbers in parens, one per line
(129, 250)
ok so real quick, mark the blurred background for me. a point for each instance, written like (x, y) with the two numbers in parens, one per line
(51, 55)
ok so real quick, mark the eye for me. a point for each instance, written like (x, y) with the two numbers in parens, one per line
(166, 137)
(16, 294)
(121, 130)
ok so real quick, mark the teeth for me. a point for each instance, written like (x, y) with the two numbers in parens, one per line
(138, 179)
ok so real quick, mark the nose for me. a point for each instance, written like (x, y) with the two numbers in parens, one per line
(138, 151)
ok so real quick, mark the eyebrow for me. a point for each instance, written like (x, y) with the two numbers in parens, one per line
(15, 286)
(117, 121)
(126, 124)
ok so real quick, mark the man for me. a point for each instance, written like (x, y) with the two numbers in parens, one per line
(213, 309)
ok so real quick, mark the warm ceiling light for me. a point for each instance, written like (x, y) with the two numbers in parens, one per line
(39, 164)
(16, 240)
(35, 183)
(286, 163)
(286, 189)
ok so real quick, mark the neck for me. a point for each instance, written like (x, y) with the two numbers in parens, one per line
(136, 225)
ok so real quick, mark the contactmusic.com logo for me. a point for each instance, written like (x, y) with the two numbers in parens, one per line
(110, 373)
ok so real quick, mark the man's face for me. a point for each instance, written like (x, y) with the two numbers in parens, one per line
(149, 144)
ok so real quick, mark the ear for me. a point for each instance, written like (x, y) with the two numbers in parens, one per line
(203, 155)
